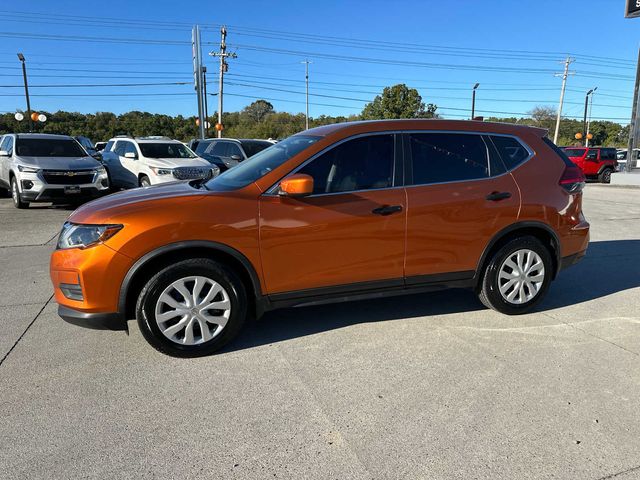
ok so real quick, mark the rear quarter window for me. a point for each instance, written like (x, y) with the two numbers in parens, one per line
(511, 150)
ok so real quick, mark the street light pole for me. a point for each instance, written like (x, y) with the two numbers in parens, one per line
(473, 101)
(584, 120)
(589, 116)
(26, 90)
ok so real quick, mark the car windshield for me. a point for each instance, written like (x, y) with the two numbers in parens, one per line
(201, 146)
(251, 147)
(48, 147)
(165, 150)
(262, 163)
(621, 155)
(574, 152)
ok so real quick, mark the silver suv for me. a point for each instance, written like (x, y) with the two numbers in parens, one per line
(49, 168)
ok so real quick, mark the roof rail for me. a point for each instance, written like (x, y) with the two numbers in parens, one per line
(124, 135)
(154, 137)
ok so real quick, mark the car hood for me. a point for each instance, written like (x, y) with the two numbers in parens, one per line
(60, 163)
(120, 205)
(177, 162)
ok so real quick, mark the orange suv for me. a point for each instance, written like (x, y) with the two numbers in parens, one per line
(343, 211)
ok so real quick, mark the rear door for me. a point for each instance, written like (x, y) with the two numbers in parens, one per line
(459, 195)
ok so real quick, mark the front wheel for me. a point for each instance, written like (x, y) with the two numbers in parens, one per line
(517, 276)
(15, 195)
(605, 176)
(192, 308)
(144, 181)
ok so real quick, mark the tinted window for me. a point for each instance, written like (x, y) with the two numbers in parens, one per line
(448, 157)
(119, 148)
(7, 145)
(262, 163)
(218, 148)
(201, 146)
(251, 147)
(574, 152)
(233, 149)
(165, 150)
(360, 164)
(48, 147)
(608, 154)
(592, 154)
(130, 148)
(108, 146)
(512, 152)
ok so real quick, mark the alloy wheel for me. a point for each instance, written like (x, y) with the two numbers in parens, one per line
(521, 276)
(192, 310)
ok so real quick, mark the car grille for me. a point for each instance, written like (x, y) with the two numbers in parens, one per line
(191, 173)
(68, 177)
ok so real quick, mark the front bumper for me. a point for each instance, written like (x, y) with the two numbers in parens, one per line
(33, 187)
(94, 321)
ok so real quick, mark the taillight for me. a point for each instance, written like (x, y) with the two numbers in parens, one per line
(572, 180)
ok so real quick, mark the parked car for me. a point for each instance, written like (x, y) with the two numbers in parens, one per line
(99, 146)
(597, 163)
(49, 168)
(621, 157)
(228, 152)
(352, 210)
(87, 144)
(144, 161)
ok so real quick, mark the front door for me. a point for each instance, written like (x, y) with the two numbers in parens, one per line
(459, 196)
(350, 230)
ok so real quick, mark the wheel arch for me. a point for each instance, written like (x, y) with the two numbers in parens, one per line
(157, 259)
(541, 231)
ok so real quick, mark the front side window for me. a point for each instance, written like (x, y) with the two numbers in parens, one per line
(165, 150)
(49, 147)
(130, 148)
(512, 152)
(262, 163)
(234, 149)
(7, 145)
(363, 163)
(107, 147)
(448, 157)
(574, 152)
(119, 148)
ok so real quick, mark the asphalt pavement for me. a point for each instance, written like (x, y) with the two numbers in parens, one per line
(430, 386)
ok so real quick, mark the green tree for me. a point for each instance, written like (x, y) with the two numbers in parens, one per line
(398, 101)
(258, 110)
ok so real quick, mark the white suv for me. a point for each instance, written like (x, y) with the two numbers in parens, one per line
(144, 161)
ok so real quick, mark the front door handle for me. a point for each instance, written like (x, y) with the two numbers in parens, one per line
(387, 210)
(497, 196)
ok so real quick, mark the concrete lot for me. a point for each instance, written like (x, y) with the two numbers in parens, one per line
(428, 386)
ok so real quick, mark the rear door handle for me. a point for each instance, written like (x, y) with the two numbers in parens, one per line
(387, 210)
(497, 196)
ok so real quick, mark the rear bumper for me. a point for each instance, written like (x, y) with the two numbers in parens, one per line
(95, 321)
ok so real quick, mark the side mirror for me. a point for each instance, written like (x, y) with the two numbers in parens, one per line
(296, 185)
(4, 153)
(236, 158)
(130, 155)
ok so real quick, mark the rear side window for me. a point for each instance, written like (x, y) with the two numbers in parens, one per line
(363, 163)
(512, 152)
(559, 152)
(448, 157)
(608, 154)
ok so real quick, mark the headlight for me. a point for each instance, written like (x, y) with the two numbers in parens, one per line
(101, 171)
(24, 169)
(83, 236)
(162, 171)
(215, 171)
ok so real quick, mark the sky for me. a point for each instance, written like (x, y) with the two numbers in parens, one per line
(142, 48)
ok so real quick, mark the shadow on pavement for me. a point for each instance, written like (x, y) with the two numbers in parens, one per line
(609, 267)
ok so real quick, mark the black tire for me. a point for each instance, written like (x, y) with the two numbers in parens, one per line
(226, 278)
(15, 195)
(144, 181)
(605, 176)
(489, 293)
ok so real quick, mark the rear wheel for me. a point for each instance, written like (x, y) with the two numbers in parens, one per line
(144, 181)
(15, 195)
(517, 276)
(192, 308)
(605, 176)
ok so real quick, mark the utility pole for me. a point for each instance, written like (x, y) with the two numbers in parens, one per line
(306, 79)
(584, 119)
(593, 91)
(197, 77)
(206, 102)
(635, 121)
(564, 75)
(26, 90)
(224, 66)
(473, 101)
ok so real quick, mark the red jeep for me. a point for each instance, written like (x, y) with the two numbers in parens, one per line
(596, 163)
